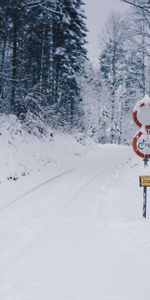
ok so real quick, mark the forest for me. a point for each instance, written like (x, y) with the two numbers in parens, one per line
(46, 78)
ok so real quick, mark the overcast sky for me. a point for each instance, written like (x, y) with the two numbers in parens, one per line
(97, 12)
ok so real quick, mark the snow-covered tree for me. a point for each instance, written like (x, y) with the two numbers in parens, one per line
(90, 85)
(42, 48)
(112, 68)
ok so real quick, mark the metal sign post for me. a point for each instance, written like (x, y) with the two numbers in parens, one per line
(144, 201)
(146, 160)
(141, 142)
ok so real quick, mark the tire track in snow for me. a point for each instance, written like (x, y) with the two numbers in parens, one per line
(97, 176)
(79, 192)
(36, 239)
(107, 192)
(9, 204)
(40, 235)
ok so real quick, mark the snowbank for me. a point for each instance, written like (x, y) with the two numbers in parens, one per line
(23, 153)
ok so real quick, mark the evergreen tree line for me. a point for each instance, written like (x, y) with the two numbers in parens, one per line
(42, 51)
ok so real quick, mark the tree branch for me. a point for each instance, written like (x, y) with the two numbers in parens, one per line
(144, 8)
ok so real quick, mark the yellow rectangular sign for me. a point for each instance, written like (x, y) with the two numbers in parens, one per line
(145, 181)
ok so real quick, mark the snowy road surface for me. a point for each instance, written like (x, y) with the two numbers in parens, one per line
(76, 233)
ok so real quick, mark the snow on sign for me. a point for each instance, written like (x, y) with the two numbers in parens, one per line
(141, 113)
(141, 116)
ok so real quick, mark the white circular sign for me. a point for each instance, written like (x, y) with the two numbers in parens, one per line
(141, 112)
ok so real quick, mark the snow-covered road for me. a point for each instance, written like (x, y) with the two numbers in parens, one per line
(76, 233)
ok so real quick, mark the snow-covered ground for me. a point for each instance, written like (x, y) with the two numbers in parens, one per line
(73, 228)
(22, 154)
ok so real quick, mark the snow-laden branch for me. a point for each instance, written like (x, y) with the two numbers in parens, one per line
(42, 4)
(50, 10)
(145, 8)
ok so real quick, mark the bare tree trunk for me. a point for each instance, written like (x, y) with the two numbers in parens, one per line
(51, 57)
(113, 95)
(14, 65)
(42, 60)
(2, 66)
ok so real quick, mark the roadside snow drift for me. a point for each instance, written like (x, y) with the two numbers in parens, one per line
(23, 153)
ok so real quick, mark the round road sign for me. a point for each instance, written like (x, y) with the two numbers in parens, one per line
(141, 116)
(141, 113)
(141, 144)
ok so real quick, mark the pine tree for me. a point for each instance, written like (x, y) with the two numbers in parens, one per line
(70, 55)
(41, 53)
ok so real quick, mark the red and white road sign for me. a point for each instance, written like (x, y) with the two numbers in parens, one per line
(141, 113)
(141, 116)
(141, 144)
